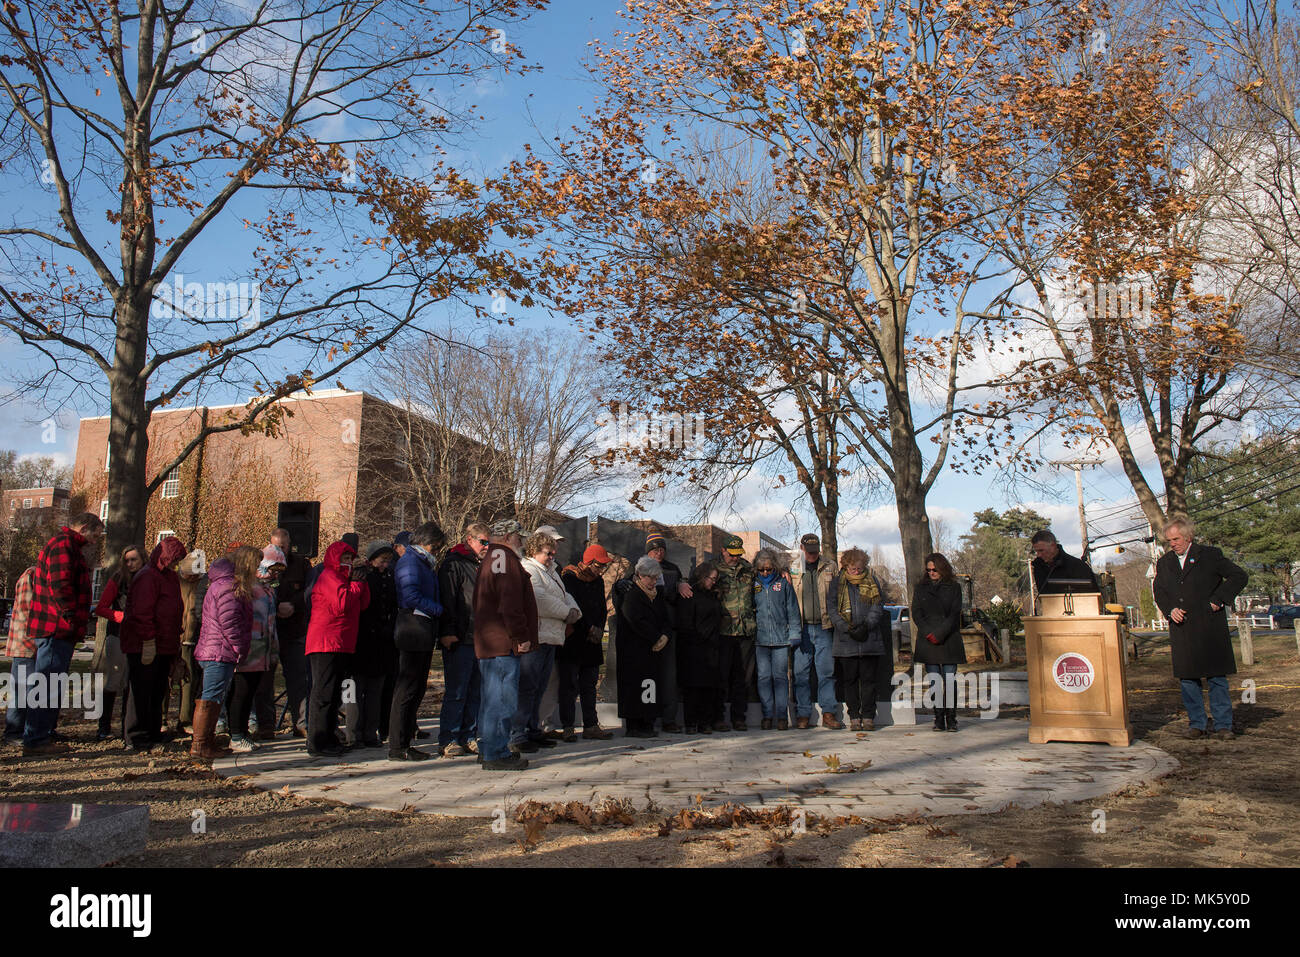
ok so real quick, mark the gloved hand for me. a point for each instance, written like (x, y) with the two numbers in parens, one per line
(932, 640)
(148, 652)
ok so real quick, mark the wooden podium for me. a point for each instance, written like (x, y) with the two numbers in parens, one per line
(1077, 684)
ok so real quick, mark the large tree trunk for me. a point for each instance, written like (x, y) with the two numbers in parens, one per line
(128, 434)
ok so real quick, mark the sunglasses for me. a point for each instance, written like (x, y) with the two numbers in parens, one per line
(485, 541)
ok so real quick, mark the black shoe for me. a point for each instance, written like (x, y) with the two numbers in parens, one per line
(525, 747)
(940, 720)
(722, 727)
(326, 753)
(739, 726)
(103, 735)
(952, 719)
(705, 729)
(512, 763)
(543, 743)
(692, 729)
(423, 735)
(410, 754)
(671, 727)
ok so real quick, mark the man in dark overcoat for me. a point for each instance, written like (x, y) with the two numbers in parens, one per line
(1194, 587)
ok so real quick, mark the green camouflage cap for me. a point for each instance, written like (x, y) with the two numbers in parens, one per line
(734, 544)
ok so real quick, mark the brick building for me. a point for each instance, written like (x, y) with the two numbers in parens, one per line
(34, 506)
(707, 539)
(348, 450)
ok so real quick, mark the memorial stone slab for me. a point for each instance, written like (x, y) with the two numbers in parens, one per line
(70, 835)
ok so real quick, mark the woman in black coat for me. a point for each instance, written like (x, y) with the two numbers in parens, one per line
(699, 635)
(376, 656)
(643, 632)
(580, 657)
(936, 613)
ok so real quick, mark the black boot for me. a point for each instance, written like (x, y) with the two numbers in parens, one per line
(106, 717)
(952, 719)
(940, 720)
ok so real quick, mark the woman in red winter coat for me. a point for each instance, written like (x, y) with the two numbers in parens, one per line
(151, 641)
(336, 603)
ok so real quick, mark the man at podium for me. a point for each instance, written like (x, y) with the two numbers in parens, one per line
(1055, 571)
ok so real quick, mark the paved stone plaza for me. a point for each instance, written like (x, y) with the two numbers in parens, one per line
(985, 767)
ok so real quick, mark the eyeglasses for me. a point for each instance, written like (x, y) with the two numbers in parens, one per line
(484, 541)
(933, 571)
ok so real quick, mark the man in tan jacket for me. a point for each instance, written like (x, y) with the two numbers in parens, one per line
(811, 575)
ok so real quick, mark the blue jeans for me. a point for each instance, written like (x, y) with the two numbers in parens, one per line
(821, 661)
(498, 697)
(16, 717)
(773, 685)
(534, 672)
(1220, 702)
(53, 657)
(217, 676)
(460, 700)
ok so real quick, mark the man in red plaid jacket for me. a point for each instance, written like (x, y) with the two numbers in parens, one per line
(61, 598)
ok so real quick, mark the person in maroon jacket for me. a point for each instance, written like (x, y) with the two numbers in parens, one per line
(61, 598)
(337, 600)
(505, 627)
(151, 641)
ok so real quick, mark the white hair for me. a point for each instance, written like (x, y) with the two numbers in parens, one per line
(648, 566)
(1182, 522)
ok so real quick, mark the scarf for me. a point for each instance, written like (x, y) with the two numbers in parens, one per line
(768, 578)
(867, 591)
(582, 572)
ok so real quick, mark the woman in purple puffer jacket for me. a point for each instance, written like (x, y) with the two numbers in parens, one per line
(224, 639)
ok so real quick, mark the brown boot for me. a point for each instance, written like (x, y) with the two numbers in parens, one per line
(830, 721)
(202, 747)
(801, 723)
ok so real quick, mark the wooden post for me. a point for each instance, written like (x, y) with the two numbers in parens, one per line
(1005, 635)
(1296, 622)
(1247, 642)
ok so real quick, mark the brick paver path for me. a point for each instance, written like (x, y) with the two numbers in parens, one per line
(982, 768)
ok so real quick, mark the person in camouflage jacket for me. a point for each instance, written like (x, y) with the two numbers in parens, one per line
(736, 654)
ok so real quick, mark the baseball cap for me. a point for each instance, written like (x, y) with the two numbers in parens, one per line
(595, 553)
(810, 540)
(549, 530)
(734, 544)
(507, 526)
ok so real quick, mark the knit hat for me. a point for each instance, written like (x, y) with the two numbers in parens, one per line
(595, 553)
(655, 540)
(351, 538)
(273, 555)
(734, 544)
(505, 527)
(376, 548)
(549, 530)
(403, 539)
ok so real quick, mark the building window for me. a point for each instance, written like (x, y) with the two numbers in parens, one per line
(27, 503)
(97, 584)
(172, 484)
(163, 534)
(13, 504)
(41, 502)
(103, 511)
(108, 456)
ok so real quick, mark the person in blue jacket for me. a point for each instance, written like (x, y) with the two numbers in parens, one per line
(776, 609)
(419, 608)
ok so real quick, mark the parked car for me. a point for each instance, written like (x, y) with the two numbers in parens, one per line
(901, 625)
(1284, 616)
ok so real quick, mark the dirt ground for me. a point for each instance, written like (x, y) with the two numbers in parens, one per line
(1230, 803)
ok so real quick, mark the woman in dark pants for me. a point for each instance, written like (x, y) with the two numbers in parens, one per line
(643, 632)
(376, 655)
(699, 673)
(580, 657)
(861, 643)
(936, 612)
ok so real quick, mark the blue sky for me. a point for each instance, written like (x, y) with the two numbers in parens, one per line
(533, 109)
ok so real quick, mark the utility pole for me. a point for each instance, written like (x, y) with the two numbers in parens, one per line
(1077, 465)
